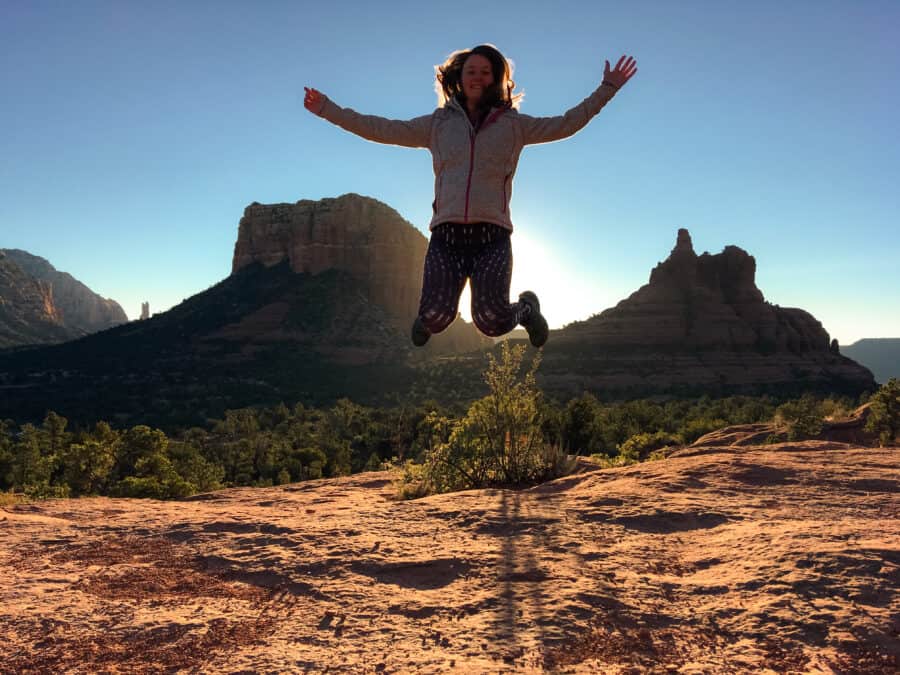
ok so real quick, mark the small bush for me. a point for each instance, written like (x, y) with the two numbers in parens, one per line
(607, 462)
(10, 499)
(884, 414)
(696, 428)
(803, 417)
(413, 482)
(640, 446)
(47, 491)
(500, 440)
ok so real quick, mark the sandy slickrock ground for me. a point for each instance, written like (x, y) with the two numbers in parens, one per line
(717, 560)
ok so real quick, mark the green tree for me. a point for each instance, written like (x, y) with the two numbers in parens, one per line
(193, 467)
(86, 466)
(579, 424)
(55, 437)
(884, 413)
(29, 467)
(6, 454)
(305, 463)
(154, 477)
(143, 467)
(139, 442)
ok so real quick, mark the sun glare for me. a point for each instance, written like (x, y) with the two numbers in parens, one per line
(566, 294)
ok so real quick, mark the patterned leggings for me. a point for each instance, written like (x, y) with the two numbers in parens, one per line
(480, 252)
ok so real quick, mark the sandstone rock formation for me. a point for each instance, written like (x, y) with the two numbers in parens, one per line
(354, 234)
(850, 429)
(80, 310)
(702, 322)
(28, 314)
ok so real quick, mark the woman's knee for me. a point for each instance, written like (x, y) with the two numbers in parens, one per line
(493, 325)
(437, 319)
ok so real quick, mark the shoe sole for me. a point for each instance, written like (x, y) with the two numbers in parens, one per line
(537, 329)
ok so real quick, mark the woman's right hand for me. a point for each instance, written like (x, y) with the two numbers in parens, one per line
(314, 100)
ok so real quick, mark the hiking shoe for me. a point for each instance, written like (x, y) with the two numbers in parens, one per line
(420, 334)
(533, 321)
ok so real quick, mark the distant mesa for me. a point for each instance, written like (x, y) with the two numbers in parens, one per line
(41, 305)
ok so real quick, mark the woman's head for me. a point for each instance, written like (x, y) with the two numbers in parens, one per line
(480, 72)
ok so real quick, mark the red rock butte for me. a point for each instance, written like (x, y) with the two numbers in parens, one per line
(701, 322)
(358, 235)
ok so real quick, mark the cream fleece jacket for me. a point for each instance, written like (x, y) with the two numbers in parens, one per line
(473, 169)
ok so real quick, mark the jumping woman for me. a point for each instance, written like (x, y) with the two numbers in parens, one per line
(475, 137)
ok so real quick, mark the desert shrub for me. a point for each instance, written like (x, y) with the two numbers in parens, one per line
(412, 481)
(608, 462)
(696, 428)
(640, 446)
(837, 408)
(500, 440)
(803, 417)
(884, 414)
(47, 491)
(10, 499)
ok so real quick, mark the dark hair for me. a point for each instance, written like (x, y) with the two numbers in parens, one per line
(448, 78)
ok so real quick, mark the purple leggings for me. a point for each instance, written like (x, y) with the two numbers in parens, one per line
(480, 252)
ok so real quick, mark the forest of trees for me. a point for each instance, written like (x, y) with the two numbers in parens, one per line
(281, 444)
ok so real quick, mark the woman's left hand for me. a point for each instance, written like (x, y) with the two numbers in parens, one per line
(624, 70)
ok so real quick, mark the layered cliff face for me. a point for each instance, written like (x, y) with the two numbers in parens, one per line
(28, 314)
(707, 302)
(358, 235)
(701, 322)
(78, 308)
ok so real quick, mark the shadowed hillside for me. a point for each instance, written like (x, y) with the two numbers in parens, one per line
(880, 355)
(260, 336)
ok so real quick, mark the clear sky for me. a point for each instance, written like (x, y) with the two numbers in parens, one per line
(133, 134)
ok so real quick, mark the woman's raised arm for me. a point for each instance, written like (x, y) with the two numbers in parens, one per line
(547, 129)
(414, 133)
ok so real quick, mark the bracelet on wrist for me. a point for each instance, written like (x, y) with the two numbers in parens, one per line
(610, 84)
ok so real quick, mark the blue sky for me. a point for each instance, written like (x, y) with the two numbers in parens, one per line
(133, 134)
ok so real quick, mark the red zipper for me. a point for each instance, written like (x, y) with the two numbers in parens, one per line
(505, 180)
(471, 166)
(492, 117)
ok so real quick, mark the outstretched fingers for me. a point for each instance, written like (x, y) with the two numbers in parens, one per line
(625, 68)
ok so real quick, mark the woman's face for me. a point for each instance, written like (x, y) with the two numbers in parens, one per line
(477, 76)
